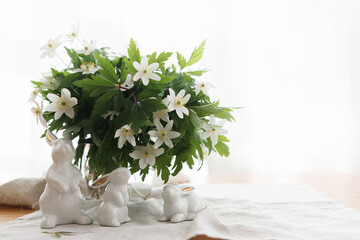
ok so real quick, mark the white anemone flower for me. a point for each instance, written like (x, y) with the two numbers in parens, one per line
(88, 47)
(178, 102)
(145, 71)
(129, 83)
(146, 155)
(74, 33)
(162, 114)
(33, 95)
(204, 87)
(63, 104)
(213, 129)
(111, 113)
(50, 48)
(48, 81)
(205, 151)
(87, 68)
(38, 111)
(164, 134)
(125, 133)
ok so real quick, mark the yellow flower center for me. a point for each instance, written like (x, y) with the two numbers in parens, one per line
(146, 153)
(62, 103)
(128, 132)
(163, 133)
(161, 113)
(179, 102)
(73, 34)
(86, 48)
(213, 130)
(145, 71)
(36, 111)
(49, 45)
(87, 66)
(202, 85)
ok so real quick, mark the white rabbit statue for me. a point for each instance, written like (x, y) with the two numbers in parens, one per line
(113, 210)
(180, 203)
(61, 200)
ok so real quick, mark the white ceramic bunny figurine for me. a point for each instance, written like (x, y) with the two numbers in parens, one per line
(180, 203)
(113, 211)
(61, 200)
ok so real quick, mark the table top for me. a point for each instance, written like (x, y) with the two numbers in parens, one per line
(344, 187)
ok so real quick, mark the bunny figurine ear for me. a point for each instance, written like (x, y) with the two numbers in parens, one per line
(185, 190)
(101, 181)
(50, 137)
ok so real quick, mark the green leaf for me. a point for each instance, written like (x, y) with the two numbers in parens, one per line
(74, 57)
(208, 109)
(129, 66)
(197, 73)
(181, 60)
(108, 69)
(103, 104)
(196, 54)
(137, 117)
(163, 57)
(120, 101)
(222, 149)
(195, 120)
(152, 58)
(69, 79)
(152, 105)
(165, 79)
(134, 52)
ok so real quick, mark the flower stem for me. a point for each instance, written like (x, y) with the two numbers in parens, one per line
(62, 60)
(135, 100)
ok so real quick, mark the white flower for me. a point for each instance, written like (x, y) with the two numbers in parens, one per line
(204, 87)
(38, 111)
(34, 94)
(125, 133)
(178, 102)
(112, 114)
(50, 47)
(129, 83)
(146, 155)
(145, 71)
(164, 135)
(162, 114)
(213, 129)
(63, 104)
(87, 47)
(74, 33)
(48, 81)
(205, 151)
(87, 68)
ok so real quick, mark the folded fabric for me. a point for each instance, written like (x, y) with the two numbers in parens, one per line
(22, 192)
(245, 211)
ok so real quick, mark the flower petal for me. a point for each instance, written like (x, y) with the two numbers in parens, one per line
(214, 138)
(121, 142)
(117, 133)
(155, 77)
(185, 111)
(52, 97)
(131, 140)
(179, 113)
(51, 107)
(186, 98)
(169, 125)
(58, 114)
(158, 143)
(135, 154)
(169, 143)
(144, 61)
(153, 133)
(174, 134)
(137, 76)
(65, 93)
(181, 93)
(72, 101)
(137, 66)
(145, 80)
(157, 152)
(142, 163)
(69, 111)
(158, 125)
(151, 160)
(153, 66)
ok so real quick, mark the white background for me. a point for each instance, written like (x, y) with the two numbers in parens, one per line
(293, 65)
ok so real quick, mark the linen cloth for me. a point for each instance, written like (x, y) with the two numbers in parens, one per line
(242, 211)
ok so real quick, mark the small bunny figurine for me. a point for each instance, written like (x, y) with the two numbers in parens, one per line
(113, 211)
(180, 203)
(61, 200)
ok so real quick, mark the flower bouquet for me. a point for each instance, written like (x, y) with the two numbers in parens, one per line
(133, 110)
